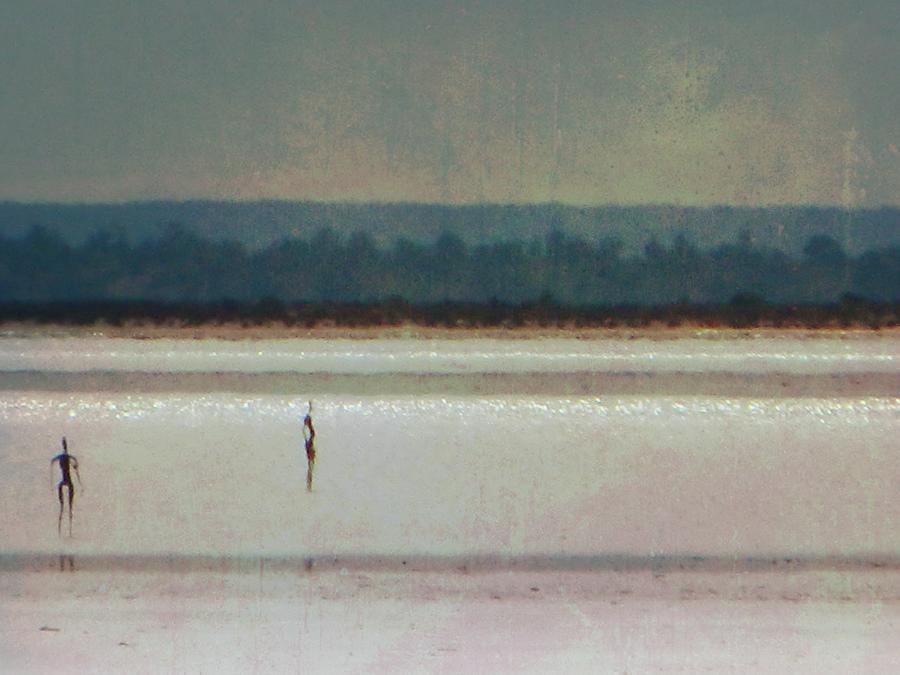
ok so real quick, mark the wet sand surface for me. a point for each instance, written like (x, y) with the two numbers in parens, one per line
(332, 618)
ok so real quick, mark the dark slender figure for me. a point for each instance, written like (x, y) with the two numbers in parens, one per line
(309, 436)
(67, 462)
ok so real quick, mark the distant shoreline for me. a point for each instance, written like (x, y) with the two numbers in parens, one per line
(274, 330)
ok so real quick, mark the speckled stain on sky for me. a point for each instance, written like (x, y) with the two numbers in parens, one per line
(608, 102)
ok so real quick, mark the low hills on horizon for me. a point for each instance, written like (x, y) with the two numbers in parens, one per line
(257, 224)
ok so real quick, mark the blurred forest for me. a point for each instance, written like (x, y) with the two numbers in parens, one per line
(257, 224)
(182, 269)
(181, 266)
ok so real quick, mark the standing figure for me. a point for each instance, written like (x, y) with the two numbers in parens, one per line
(67, 462)
(309, 436)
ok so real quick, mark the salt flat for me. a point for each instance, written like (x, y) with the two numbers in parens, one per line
(339, 620)
(798, 462)
(224, 474)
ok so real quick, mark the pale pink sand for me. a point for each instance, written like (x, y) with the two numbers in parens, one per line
(640, 475)
(809, 621)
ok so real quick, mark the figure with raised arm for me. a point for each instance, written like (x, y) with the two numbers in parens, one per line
(67, 463)
(309, 436)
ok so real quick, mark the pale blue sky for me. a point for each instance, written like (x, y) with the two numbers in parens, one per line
(580, 102)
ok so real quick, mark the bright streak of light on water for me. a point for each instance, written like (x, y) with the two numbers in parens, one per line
(789, 355)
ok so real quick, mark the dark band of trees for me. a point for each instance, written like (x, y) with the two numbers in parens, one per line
(741, 312)
(560, 271)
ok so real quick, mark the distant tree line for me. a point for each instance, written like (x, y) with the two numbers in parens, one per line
(559, 270)
(257, 224)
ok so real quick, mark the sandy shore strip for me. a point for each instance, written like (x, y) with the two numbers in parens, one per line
(276, 331)
(344, 619)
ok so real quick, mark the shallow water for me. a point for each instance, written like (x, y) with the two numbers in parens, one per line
(423, 472)
(756, 355)
(225, 474)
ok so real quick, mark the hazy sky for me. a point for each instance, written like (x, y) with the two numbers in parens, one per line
(582, 102)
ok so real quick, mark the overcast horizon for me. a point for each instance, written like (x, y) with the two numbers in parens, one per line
(474, 204)
(465, 103)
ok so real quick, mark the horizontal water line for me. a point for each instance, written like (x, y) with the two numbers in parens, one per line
(417, 356)
(581, 383)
